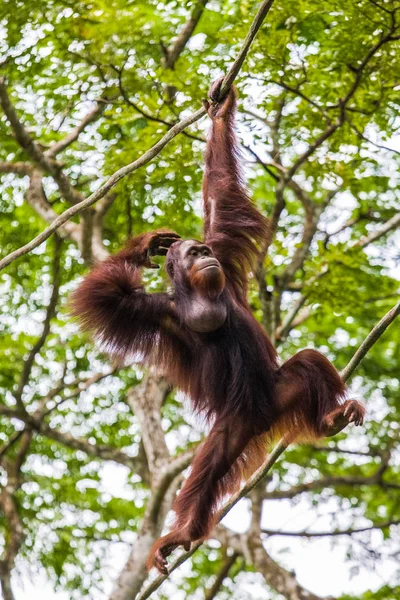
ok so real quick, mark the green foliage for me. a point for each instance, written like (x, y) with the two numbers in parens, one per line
(59, 58)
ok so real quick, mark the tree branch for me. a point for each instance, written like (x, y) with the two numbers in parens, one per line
(100, 451)
(313, 214)
(312, 147)
(335, 532)
(36, 198)
(325, 482)
(281, 580)
(261, 473)
(50, 313)
(71, 137)
(363, 137)
(144, 113)
(226, 566)
(391, 224)
(147, 156)
(342, 104)
(66, 439)
(15, 535)
(287, 324)
(369, 341)
(282, 331)
(149, 417)
(19, 168)
(175, 50)
(363, 64)
(237, 65)
(103, 190)
(33, 149)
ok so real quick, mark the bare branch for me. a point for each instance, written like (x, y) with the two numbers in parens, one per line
(35, 196)
(19, 168)
(325, 482)
(360, 70)
(66, 439)
(10, 443)
(368, 216)
(335, 532)
(312, 147)
(33, 149)
(21, 134)
(363, 137)
(287, 323)
(226, 566)
(380, 7)
(391, 224)
(100, 451)
(297, 92)
(99, 251)
(342, 105)
(265, 166)
(81, 386)
(144, 113)
(69, 139)
(372, 452)
(50, 313)
(86, 236)
(281, 580)
(369, 341)
(176, 49)
(313, 214)
(237, 65)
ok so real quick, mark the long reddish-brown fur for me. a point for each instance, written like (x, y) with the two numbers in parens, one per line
(231, 374)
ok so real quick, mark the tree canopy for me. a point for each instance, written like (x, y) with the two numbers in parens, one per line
(88, 87)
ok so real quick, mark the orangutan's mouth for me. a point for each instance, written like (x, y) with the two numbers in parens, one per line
(210, 265)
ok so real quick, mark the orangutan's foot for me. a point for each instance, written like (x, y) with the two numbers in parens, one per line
(351, 411)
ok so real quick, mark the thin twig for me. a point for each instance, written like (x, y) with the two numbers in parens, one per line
(391, 224)
(50, 313)
(337, 532)
(369, 341)
(237, 65)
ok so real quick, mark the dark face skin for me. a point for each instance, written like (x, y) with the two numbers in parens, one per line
(196, 256)
(206, 311)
